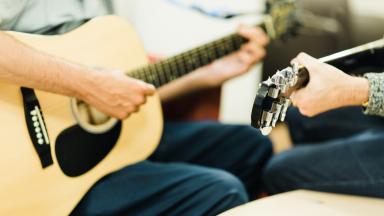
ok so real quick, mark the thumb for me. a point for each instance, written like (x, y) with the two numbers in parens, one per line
(148, 88)
(307, 61)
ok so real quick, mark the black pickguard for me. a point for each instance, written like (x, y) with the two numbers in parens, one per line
(78, 151)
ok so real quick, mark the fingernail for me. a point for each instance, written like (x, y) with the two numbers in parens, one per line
(151, 86)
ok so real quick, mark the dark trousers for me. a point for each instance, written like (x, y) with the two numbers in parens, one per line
(200, 168)
(339, 151)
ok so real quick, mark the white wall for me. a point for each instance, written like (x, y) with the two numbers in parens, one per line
(370, 8)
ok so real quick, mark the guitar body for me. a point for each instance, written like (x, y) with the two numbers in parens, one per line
(28, 189)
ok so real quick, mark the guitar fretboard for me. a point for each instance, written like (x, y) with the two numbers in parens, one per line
(174, 67)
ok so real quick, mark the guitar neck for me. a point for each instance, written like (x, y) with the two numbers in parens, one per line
(174, 67)
(356, 60)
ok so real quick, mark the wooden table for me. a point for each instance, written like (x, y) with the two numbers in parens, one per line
(310, 203)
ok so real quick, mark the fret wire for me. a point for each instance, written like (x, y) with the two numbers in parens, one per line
(174, 68)
(169, 69)
(152, 73)
(230, 42)
(145, 75)
(164, 71)
(181, 64)
(170, 73)
(229, 45)
(184, 58)
(189, 61)
(204, 56)
(160, 74)
(192, 63)
(195, 55)
(196, 62)
(135, 74)
(221, 49)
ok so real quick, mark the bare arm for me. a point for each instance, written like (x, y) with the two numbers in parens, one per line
(221, 70)
(113, 93)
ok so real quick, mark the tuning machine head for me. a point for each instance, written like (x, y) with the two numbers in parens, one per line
(272, 99)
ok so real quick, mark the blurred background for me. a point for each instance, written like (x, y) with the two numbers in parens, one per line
(168, 27)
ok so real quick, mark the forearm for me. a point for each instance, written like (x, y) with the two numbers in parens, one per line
(21, 65)
(376, 94)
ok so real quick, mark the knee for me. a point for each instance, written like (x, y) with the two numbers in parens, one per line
(277, 175)
(229, 186)
(225, 191)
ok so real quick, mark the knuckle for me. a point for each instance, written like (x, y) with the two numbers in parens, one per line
(135, 109)
(139, 100)
(130, 109)
(121, 115)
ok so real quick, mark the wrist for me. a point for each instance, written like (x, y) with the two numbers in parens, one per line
(84, 81)
(358, 91)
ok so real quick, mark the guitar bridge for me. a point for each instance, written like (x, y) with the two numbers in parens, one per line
(36, 126)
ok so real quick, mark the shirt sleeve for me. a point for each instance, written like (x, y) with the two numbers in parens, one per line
(376, 94)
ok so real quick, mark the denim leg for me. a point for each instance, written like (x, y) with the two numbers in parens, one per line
(339, 123)
(353, 166)
(150, 188)
(238, 149)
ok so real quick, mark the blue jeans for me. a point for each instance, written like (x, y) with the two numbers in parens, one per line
(340, 151)
(199, 168)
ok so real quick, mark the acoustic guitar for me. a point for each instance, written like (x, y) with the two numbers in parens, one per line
(55, 148)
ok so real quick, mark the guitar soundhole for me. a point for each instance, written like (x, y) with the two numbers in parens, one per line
(78, 151)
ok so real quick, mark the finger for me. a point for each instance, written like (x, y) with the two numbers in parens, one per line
(148, 89)
(245, 58)
(121, 115)
(139, 100)
(254, 34)
(255, 50)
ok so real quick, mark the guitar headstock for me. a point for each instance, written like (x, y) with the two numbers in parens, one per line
(282, 18)
(272, 98)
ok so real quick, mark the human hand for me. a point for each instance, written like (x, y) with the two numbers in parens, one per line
(328, 88)
(237, 63)
(114, 93)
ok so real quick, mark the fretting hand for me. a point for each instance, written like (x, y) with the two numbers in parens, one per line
(328, 88)
(221, 70)
(237, 63)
